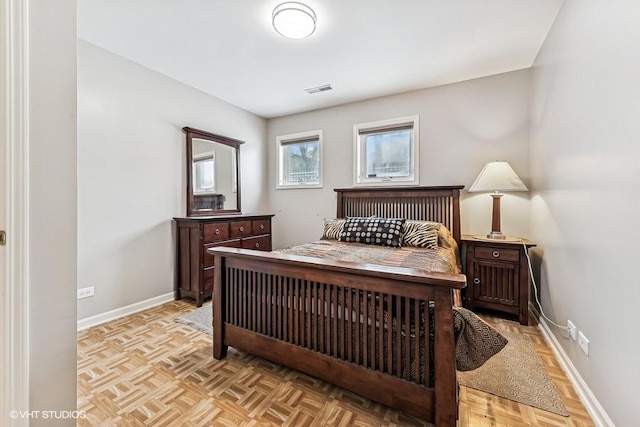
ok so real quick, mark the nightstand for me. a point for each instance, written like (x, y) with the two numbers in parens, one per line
(497, 276)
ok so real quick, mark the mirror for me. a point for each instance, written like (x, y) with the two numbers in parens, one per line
(213, 174)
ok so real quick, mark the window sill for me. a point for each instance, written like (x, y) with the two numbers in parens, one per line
(297, 186)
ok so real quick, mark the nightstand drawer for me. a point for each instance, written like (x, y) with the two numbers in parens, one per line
(496, 254)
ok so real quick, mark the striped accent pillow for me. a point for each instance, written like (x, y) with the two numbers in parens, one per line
(332, 228)
(422, 234)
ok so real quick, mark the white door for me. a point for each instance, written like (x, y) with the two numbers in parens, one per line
(4, 203)
(14, 380)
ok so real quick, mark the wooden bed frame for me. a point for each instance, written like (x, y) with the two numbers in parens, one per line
(294, 310)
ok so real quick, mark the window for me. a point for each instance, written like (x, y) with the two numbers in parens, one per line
(299, 160)
(204, 173)
(386, 152)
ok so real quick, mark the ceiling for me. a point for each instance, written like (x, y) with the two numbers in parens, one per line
(363, 48)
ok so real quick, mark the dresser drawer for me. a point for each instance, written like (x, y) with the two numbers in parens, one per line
(261, 226)
(216, 231)
(240, 228)
(208, 258)
(262, 243)
(501, 254)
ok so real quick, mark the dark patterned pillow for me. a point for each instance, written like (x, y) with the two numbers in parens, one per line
(373, 231)
(332, 228)
(423, 234)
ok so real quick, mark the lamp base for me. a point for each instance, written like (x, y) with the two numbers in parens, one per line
(496, 235)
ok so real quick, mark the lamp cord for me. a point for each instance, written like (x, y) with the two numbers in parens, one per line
(535, 289)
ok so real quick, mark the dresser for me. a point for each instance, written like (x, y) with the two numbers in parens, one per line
(194, 235)
(497, 276)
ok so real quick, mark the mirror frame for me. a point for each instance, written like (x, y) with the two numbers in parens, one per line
(235, 143)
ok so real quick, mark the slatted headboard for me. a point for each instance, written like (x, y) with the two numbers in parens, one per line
(440, 204)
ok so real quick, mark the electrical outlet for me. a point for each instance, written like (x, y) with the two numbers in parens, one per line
(85, 292)
(583, 342)
(573, 332)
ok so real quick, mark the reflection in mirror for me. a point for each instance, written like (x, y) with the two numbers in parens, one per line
(212, 165)
(204, 168)
(213, 175)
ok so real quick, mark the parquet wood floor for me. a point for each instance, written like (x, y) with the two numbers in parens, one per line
(147, 370)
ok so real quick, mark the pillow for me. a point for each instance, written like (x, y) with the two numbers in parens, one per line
(422, 234)
(373, 231)
(445, 239)
(332, 228)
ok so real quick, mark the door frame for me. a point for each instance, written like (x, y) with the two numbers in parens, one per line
(14, 121)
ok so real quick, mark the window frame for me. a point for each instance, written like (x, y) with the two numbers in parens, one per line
(359, 157)
(284, 140)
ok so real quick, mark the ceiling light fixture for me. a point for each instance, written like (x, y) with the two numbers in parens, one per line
(294, 20)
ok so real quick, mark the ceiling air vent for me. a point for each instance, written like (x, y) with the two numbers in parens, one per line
(318, 89)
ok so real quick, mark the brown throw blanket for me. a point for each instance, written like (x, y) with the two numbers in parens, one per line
(476, 340)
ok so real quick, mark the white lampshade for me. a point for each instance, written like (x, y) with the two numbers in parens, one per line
(294, 20)
(497, 176)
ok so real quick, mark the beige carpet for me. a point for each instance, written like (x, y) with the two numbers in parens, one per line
(200, 319)
(516, 373)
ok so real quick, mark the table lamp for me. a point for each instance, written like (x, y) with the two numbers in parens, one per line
(496, 177)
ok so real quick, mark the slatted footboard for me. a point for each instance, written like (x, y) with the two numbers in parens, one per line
(385, 333)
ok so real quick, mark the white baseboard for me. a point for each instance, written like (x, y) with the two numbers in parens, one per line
(595, 410)
(99, 319)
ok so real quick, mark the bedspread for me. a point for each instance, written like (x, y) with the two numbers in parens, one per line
(442, 260)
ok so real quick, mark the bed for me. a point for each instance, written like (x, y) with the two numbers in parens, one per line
(385, 332)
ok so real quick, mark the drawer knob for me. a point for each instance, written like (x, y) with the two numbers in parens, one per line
(217, 231)
(257, 245)
(476, 281)
(496, 254)
(261, 226)
(241, 228)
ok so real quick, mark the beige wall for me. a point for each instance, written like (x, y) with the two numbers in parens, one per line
(53, 208)
(131, 173)
(462, 126)
(584, 167)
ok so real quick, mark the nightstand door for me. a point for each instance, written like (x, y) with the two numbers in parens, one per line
(496, 285)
